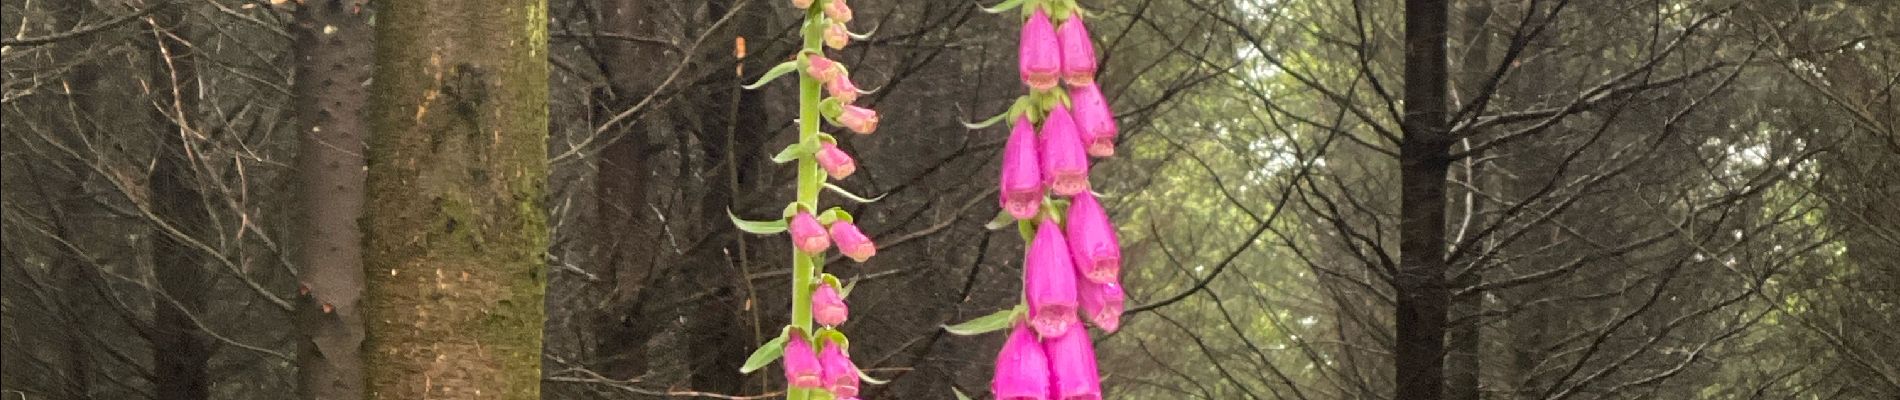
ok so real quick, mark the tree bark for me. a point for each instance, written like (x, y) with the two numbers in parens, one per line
(455, 229)
(1423, 161)
(628, 233)
(332, 48)
(179, 362)
(1463, 365)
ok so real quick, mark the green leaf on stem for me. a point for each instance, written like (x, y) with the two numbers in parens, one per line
(991, 121)
(835, 214)
(1002, 220)
(960, 395)
(833, 336)
(833, 281)
(767, 353)
(792, 209)
(757, 227)
(868, 379)
(794, 152)
(853, 196)
(778, 70)
(985, 324)
(1005, 6)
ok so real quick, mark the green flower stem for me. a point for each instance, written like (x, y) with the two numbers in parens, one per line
(806, 267)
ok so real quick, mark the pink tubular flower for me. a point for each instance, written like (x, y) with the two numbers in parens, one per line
(827, 307)
(858, 119)
(801, 363)
(823, 69)
(1065, 165)
(801, 4)
(842, 89)
(1049, 282)
(837, 11)
(834, 160)
(1022, 370)
(1102, 303)
(1092, 241)
(1094, 123)
(841, 376)
(1072, 364)
(1021, 193)
(1078, 54)
(852, 241)
(808, 235)
(1039, 55)
(836, 36)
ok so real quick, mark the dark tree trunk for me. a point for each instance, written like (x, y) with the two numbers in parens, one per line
(178, 364)
(66, 193)
(1463, 363)
(333, 55)
(1423, 161)
(454, 225)
(627, 231)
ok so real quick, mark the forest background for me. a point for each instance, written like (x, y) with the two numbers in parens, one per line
(1642, 198)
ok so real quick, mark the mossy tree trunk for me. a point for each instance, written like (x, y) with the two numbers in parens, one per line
(454, 225)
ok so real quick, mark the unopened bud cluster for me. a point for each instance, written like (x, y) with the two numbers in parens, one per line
(1072, 269)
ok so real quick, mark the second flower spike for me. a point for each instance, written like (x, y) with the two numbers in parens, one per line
(1092, 242)
(1065, 165)
(1022, 370)
(1078, 53)
(1049, 282)
(1072, 365)
(1039, 57)
(1021, 183)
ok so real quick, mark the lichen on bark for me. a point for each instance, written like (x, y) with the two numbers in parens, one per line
(454, 225)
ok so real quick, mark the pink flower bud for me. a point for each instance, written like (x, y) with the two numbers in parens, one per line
(801, 363)
(1072, 366)
(841, 376)
(827, 307)
(835, 162)
(1022, 370)
(1022, 174)
(1065, 164)
(1078, 54)
(843, 89)
(1092, 241)
(1049, 282)
(836, 36)
(837, 11)
(1102, 303)
(823, 69)
(1039, 55)
(801, 4)
(852, 241)
(808, 235)
(1094, 122)
(858, 119)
